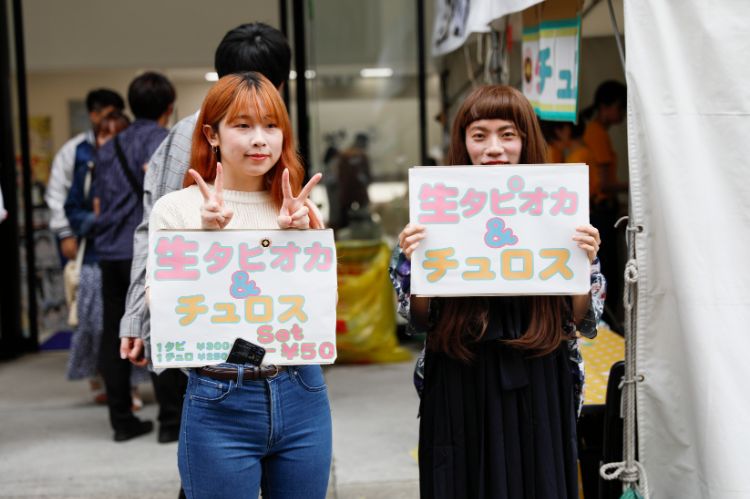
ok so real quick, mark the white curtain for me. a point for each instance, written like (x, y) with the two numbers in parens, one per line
(688, 75)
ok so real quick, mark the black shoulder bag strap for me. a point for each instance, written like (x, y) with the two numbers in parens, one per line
(137, 188)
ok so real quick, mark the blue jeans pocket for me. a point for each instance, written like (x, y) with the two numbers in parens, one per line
(310, 378)
(205, 389)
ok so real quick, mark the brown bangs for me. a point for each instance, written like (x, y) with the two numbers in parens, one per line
(259, 98)
(498, 102)
(495, 107)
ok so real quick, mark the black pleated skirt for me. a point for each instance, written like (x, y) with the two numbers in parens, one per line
(502, 426)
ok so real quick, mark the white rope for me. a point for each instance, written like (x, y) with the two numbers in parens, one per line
(629, 471)
(612, 471)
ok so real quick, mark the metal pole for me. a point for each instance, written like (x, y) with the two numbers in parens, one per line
(284, 25)
(10, 291)
(23, 123)
(300, 65)
(422, 83)
(618, 39)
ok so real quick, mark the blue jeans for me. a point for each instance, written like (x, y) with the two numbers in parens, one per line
(241, 436)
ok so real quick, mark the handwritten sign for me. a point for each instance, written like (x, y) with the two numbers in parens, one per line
(499, 230)
(550, 59)
(274, 288)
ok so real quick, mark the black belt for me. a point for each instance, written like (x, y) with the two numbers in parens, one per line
(249, 373)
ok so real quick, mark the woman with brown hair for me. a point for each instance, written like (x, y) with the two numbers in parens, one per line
(244, 427)
(499, 401)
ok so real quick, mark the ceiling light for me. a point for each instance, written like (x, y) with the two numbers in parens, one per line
(212, 76)
(376, 73)
(309, 74)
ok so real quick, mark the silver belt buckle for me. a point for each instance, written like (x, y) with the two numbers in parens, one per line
(275, 373)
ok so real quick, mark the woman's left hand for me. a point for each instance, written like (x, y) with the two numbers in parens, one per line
(587, 237)
(294, 213)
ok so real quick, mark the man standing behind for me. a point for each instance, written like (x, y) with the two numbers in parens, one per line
(249, 47)
(118, 182)
(99, 104)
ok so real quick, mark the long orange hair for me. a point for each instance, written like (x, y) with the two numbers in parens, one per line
(230, 98)
(464, 320)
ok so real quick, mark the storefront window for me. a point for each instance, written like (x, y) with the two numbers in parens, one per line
(364, 111)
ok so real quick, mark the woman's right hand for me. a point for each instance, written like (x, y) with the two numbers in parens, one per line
(214, 214)
(132, 349)
(409, 238)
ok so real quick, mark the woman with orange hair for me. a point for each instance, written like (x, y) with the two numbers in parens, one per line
(248, 427)
(501, 376)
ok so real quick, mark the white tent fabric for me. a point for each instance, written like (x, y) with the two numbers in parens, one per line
(688, 75)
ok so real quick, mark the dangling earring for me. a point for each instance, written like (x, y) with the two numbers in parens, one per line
(217, 152)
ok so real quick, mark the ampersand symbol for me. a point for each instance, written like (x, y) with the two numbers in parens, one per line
(497, 235)
(242, 286)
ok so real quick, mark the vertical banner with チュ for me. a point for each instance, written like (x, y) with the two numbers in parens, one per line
(504, 230)
(274, 288)
(550, 58)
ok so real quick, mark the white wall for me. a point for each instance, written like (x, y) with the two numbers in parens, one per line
(73, 46)
(81, 34)
(49, 93)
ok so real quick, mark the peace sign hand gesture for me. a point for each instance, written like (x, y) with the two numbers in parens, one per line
(214, 214)
(295, 211)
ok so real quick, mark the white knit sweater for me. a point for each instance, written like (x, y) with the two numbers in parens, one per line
(182, 210)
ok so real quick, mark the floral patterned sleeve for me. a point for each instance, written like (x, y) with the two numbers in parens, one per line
(587, 328)
(400, 273)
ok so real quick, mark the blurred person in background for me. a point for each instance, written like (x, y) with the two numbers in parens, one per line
(557, 135)
(578, 152)
(353, 174)
(120, 168)
(565, 145)
(607, 110)
(99, 103)
(80, 213)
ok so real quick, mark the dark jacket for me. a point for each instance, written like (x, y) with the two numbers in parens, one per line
(121, 207)
(79, 208)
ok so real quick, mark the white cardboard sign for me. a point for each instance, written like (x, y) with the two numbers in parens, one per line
(503, 230)
(274, 288)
